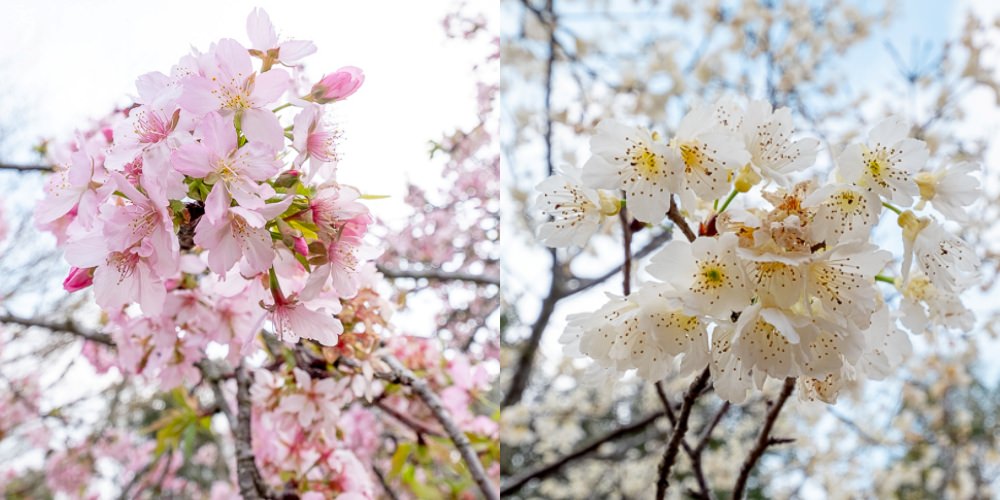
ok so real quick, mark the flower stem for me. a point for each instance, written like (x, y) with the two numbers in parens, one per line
(283, 106)
(892, 207)
(729, 200)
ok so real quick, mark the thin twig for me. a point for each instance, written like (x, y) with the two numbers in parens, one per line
(695, 455)
(402, 375)
(648, 248)
(439, 275)
(546, 470)
(65, 327)
(526, 362)
(252, 486)
(25, 168)
(674, 214)
(385, 483)
(763, 439)
(677, 435)
(417, 426)
(627, 243)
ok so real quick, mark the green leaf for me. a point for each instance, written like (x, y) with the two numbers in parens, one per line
(399, 458)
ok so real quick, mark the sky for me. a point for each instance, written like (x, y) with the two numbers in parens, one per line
(66, 62)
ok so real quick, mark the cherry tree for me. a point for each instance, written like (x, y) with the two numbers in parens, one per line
(245, 304)
(761, 226)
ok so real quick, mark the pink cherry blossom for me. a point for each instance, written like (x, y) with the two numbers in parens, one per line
(230, 85)
(293, 319)
(315, 401)
(144, 222)
(315, 141)
(232, 233)
(264, 38)
(338, 85)
(217, 159)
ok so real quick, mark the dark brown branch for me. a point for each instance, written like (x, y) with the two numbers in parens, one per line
(525, 363)
(763, 439)
(541, 472)
(674, 214)
(707, 433)
(252, 486)
(627, 244)
(417, 426)
(65, 327)
(25, 168)
(438, 275)
(385, 483)
(677, 435)
(695, 455)
(402, 375)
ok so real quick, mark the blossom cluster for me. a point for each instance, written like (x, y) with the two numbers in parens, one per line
(786, 285)
(214, 192)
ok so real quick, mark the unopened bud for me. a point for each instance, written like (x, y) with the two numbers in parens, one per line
(746, 179)
(287, 179)
(911, 224)
(78, 279)
(610, 205)
(927, 182)
(338, 85)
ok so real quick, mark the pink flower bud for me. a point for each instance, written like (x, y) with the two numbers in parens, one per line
(338, 85)
(301, 247)
(78, 279)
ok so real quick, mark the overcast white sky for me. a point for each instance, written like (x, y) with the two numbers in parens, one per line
(66, 61)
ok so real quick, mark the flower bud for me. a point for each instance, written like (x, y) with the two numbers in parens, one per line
(338, 85)
(610, 205)
(746, 179)
(78, 279)
(300, 246)
(287, 179)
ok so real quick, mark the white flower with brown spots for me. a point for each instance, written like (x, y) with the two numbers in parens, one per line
(709, 153)
(708, 270)
(573, 212)
(767, 134)
(843, 212)
(886, 163)
(631, 159)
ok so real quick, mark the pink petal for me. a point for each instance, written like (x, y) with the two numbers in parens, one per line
(293, 50)
(269, 86)
(193, 159)
(197, 97)
(319, 326)
(258, 249)
(233, 59)
(218, 134)
(152, 292)
(217, 203)
(260, 30)
(262, 127)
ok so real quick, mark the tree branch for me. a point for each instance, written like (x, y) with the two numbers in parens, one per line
(763, 439)
(544, 471)
(438, 275)
(525, 364)
(252, 486)
(65, 327)
(677, 436)
(401, 375)
(416, 425)
(25, 168)
(674, 214)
